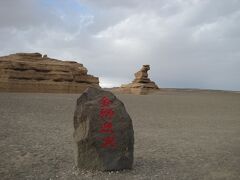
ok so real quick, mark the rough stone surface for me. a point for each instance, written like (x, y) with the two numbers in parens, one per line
(32, 72)
(141, 84)
(103, 132)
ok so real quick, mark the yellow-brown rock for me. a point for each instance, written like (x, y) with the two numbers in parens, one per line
(32, 72)
(141, 84)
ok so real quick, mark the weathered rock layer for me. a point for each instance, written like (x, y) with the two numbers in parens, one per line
(141, 84)
(32, 72)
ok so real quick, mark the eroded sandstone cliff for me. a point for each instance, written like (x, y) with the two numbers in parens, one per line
(32, 72)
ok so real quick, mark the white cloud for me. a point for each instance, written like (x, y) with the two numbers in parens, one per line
(188, 43)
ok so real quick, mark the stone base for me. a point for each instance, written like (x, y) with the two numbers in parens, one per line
(138, 88)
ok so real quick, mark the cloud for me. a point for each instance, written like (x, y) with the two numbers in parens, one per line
(188, 43)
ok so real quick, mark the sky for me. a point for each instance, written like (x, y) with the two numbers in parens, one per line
(187, 43)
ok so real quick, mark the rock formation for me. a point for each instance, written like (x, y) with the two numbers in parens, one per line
(103, 132)
(141, 84)
(32, 72)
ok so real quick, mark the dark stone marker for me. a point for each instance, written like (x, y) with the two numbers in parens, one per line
(103, 132)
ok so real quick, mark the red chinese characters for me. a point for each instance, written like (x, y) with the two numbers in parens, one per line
(105, 101)
(109, 141)
(106, 113)
(106, 128)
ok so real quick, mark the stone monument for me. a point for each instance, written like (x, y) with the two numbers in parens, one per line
(103, 132)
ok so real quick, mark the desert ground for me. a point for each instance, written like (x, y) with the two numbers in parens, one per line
(178, 135)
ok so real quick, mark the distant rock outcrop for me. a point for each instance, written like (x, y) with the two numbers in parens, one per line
(32, 72)
(141, 84)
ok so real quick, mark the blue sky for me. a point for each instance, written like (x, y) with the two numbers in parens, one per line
(188, 43)
(69, 6)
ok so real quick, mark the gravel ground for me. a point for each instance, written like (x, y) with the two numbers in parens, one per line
(178, 135)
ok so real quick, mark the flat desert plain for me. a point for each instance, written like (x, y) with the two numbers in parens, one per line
(178, 135)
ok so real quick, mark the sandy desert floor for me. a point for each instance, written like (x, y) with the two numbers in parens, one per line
(178, 135)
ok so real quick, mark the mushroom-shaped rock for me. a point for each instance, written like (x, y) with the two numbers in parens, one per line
(141, 84)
